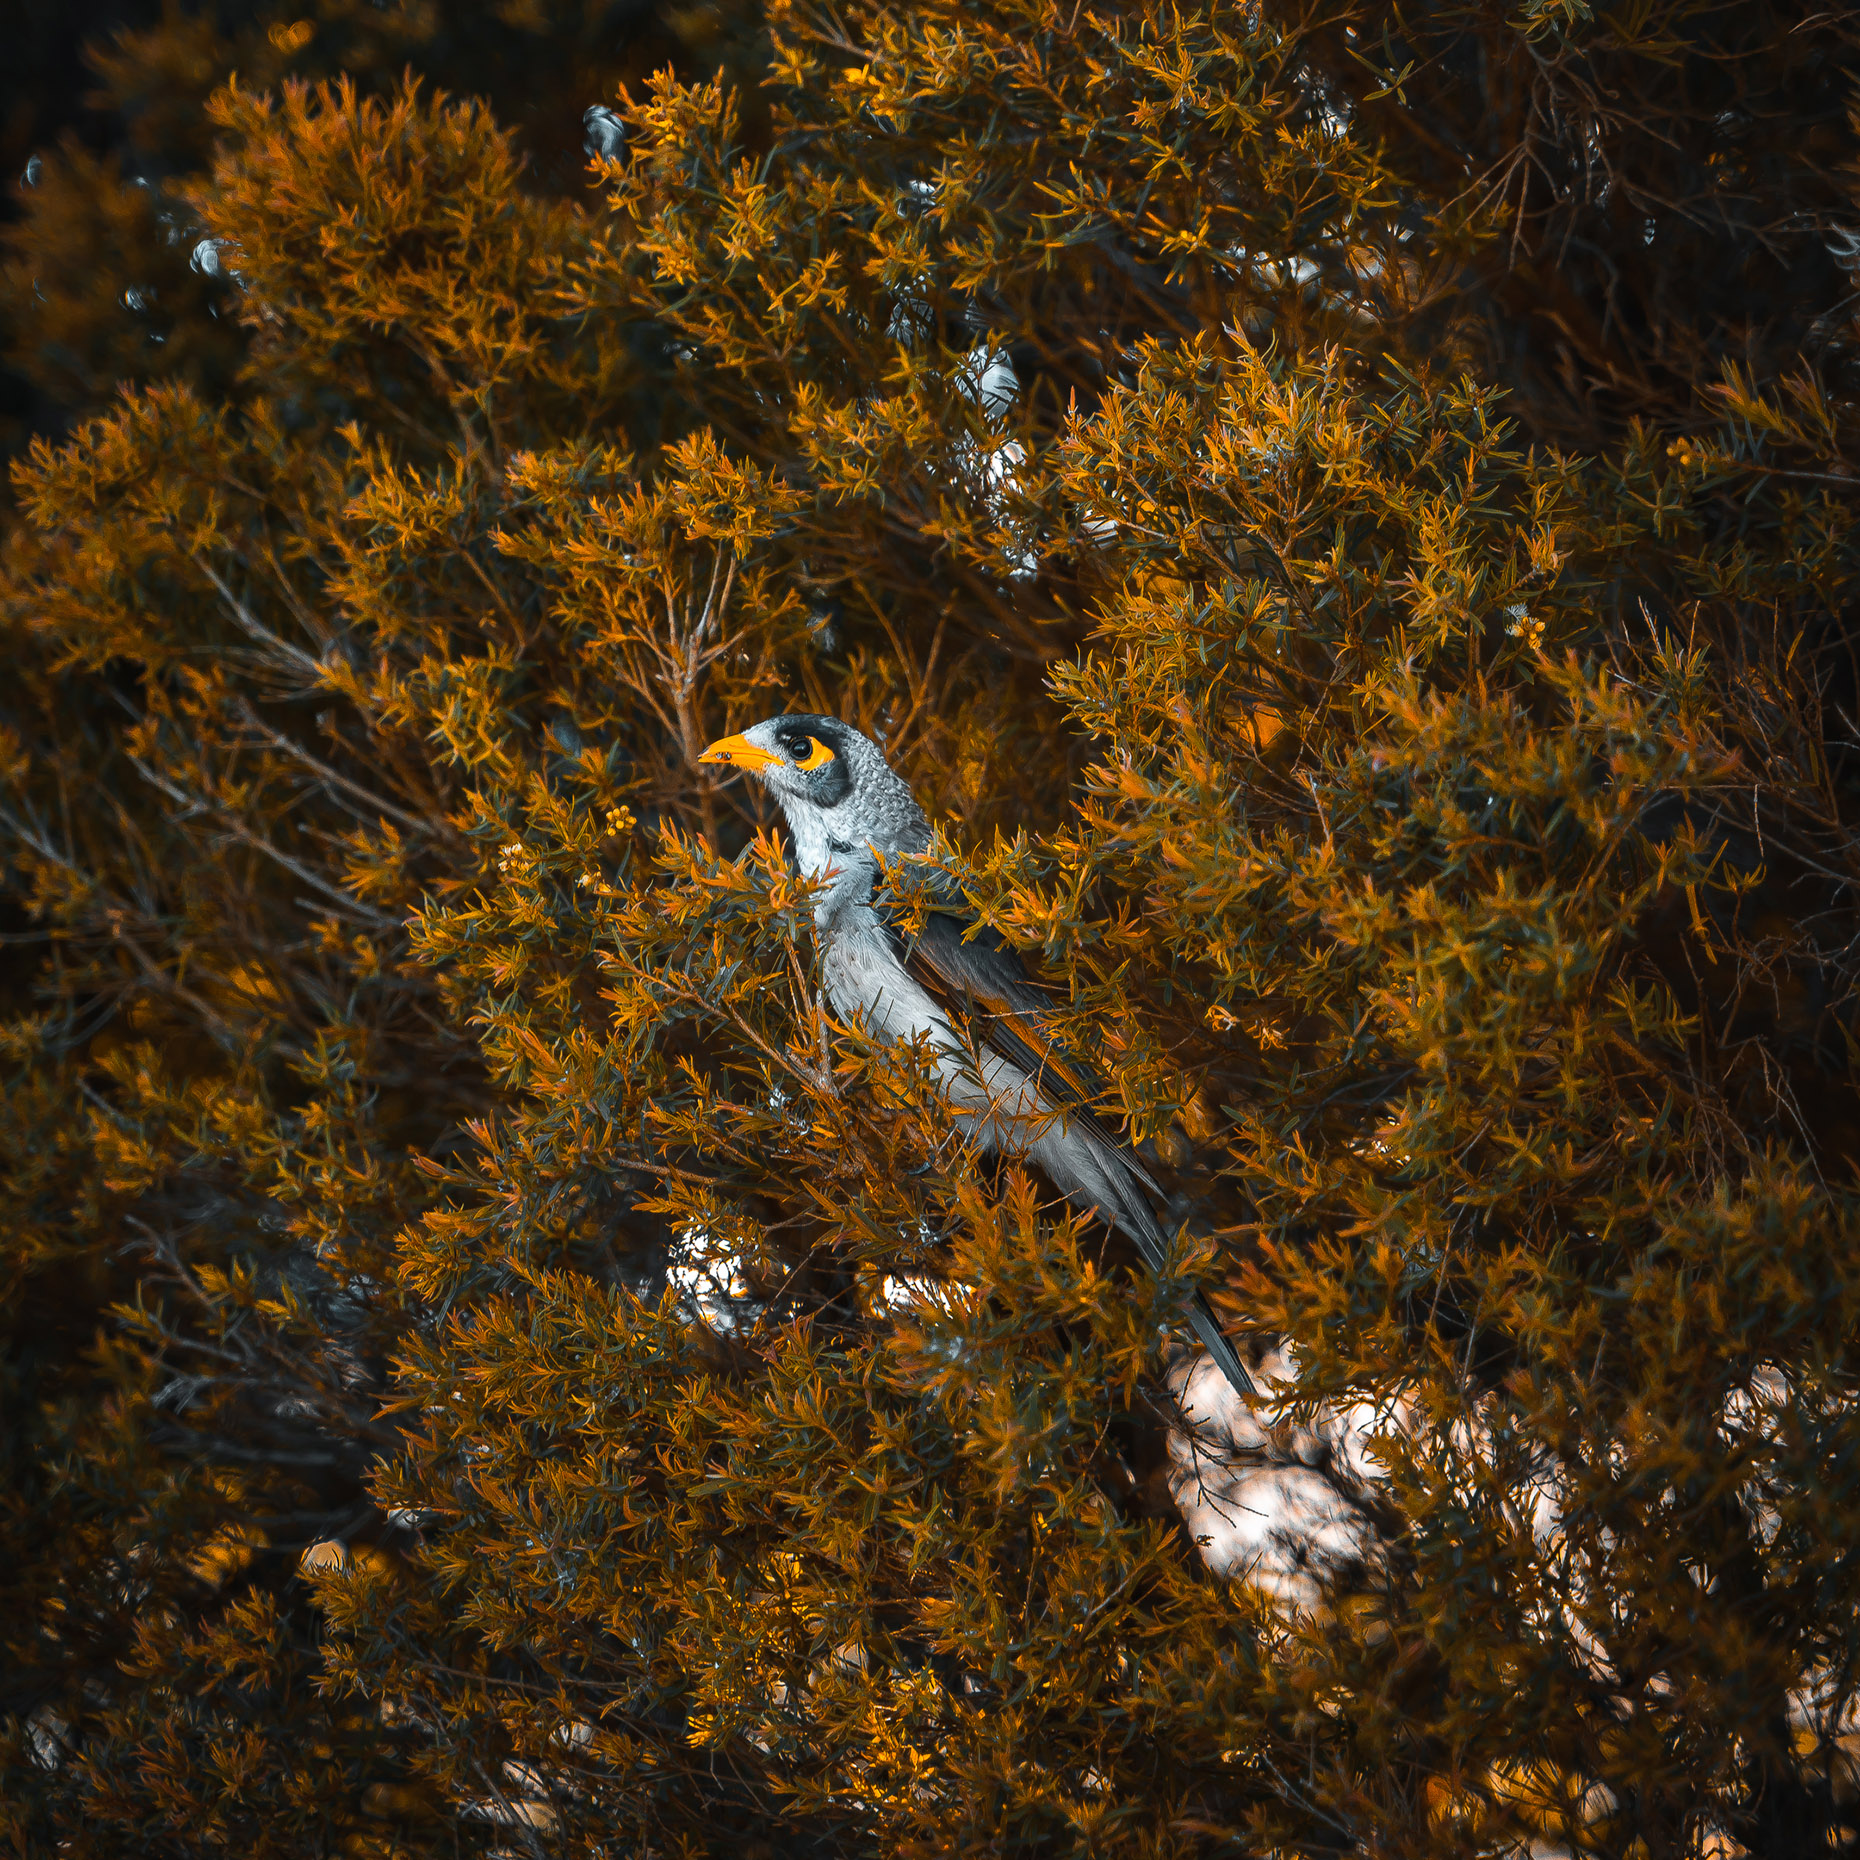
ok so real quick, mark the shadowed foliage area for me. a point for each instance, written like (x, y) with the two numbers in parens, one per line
(106, 281)
(1346, 521)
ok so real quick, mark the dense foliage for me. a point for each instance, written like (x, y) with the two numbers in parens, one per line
(1348, 524)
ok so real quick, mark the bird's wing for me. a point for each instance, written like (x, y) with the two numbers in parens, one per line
(984, 988)
(980, 984)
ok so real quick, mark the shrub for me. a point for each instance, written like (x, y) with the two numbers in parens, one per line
(1368, 617)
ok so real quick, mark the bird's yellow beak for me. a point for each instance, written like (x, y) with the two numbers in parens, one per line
(739, 752)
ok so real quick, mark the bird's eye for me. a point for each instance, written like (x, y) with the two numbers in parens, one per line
(806, 752)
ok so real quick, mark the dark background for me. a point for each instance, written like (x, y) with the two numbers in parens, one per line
(46, 92)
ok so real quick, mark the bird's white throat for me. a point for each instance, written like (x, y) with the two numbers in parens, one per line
(815, 853)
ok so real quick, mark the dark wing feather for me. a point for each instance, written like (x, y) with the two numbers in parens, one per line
(982, 985)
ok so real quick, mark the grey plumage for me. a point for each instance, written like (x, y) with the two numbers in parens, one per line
(1013, 1089)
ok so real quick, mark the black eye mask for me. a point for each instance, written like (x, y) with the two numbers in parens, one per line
(830, 783)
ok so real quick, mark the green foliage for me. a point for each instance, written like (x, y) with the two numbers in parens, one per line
(562, 1391)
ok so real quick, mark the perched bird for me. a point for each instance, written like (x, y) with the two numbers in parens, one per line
(1016, 1090)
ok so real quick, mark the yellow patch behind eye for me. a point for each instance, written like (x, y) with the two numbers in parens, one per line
(818, 756)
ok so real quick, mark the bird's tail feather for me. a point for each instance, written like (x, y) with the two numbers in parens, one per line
(1226, 1357)
(1125, 1207)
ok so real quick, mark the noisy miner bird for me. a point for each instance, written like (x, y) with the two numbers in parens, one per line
(1014, 1088)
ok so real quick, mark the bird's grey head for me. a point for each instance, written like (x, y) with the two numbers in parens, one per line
(833, 784)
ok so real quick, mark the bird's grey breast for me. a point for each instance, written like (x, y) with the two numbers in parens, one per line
(995, 1101)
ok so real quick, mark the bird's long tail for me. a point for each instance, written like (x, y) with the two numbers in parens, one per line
(1202, 1320)
(1094, 1172)
(1132, 1213)
(1226, 1357)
